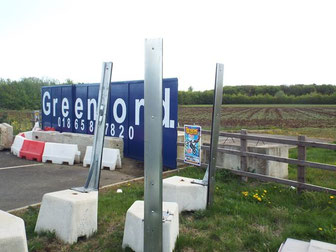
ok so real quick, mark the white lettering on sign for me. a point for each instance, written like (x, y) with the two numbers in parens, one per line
(138, 104)
(167, 123)
(119, 113)
(46, 105)
(65, 107)
(117, 118)
(55, 100)
(79, 108)
(94, 103)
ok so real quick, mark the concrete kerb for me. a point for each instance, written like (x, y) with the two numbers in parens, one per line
(101, 188)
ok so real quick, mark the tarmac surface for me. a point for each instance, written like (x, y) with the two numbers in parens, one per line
(24, 182)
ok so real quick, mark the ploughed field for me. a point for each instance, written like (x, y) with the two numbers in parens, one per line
(262, 117)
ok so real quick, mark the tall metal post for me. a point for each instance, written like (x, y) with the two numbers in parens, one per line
(153, 146)
(216, 116)
(92, 182)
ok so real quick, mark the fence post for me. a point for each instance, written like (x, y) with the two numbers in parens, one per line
(301, 168)
(243, 148)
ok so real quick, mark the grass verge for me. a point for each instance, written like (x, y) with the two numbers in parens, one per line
(251, 216)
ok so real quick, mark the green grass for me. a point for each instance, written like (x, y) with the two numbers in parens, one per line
(316, 176)
(328, 134)
(234, 223)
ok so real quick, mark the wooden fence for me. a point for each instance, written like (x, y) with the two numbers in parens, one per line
(301, 162)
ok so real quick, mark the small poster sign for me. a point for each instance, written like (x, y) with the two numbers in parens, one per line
(192, 144)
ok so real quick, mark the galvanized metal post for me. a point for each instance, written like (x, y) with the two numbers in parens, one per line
(216, 116)
(92, 182)
(153, 145)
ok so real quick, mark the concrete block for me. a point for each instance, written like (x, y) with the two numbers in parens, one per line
(293, 245)
(6, 136)
(17, 145)
(134, 227)
(260, 166)
(188, 196)
(69, 214)
(82, 140)
(12, 233)
(111, 158)
(318, 246)
(60, 153)
(28, 135)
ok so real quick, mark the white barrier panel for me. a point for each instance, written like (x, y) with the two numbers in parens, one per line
(12, 233)
(134, 226)
(69, 214)
(60, 153)
(17, 145)
(28, 135)
(111, 158)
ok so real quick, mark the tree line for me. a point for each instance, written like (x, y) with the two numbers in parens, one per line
(283, 94)
(26, 94)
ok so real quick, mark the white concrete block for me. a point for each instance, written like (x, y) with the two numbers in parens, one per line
(17, 145)
(188, 196)
(6, 136)
(69, 214)
(318, 246)
(134, 227)
(292, 245)
(59, 153)
(111, 158)
(12, 233)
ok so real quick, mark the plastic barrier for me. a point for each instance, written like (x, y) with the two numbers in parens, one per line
(17, 145)
(27, 135)
(111, 158)
(59, 153)
(32, 150)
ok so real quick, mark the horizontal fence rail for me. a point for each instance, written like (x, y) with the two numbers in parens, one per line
(272, 139)
(301, 162)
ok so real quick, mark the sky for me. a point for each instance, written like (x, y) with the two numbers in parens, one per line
(259, 42)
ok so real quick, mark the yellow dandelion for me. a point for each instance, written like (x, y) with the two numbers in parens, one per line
(320, 229)
(259, 199)
(128, 184)
(331, 197)
(265, 191)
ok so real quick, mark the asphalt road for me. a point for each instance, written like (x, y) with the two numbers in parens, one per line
(24, 182)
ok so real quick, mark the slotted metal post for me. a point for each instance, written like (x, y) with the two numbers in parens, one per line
(216, 116)
(92, 182)
(153, 146)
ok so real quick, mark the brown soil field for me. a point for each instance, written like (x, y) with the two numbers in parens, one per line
(263, 117)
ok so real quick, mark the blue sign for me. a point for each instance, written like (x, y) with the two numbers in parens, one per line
(72, 108)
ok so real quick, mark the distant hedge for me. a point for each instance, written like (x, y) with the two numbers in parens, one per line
(26, 94)
(294, 94)
(23, 94)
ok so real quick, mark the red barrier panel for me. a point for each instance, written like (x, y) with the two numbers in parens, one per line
(32, 150)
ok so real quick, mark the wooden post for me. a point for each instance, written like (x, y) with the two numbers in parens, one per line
(301, 168)
(243, 148)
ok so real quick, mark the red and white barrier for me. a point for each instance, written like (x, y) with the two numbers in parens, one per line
(17, 145)
(59, 153)
(32, 150)
(111, 158)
